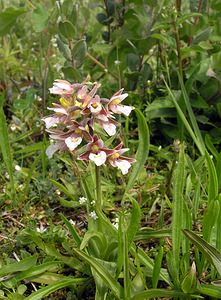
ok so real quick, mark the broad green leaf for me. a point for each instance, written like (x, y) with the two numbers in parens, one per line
(212, 254)
(8, 19)
(45, 291)
(67, 29)
(40, 18)
(19, 266)
(102, 272)
(142, 151)
(5, 147)
(79, 52)
(64, 49)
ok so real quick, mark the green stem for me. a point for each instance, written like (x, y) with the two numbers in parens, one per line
(98, 188)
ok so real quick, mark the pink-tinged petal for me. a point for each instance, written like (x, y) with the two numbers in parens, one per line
(72, 142)
(55, 90)
(82, 93)
(52, 149)
(102, 117)
(61, 87)
(59, 110)
(123, 165)
(84, 156)
(99, 158)
(50, 121)
(109, 128)
(121, 109)
(118, 98)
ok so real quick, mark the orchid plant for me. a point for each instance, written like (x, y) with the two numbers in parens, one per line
(72, 124)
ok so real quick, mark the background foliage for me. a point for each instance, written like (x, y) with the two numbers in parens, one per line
(167, 55)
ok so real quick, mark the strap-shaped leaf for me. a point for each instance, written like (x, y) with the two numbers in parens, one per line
(102, 272)
(212, 254)
(142, 151)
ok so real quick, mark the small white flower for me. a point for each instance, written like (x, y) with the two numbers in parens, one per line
(116, 223)
(13, 127)
(160, 147)
(93, 215)
(72, 222)
(7, 175)
(211, 156)
(82, 200)
(93, 202)
(58, 192)
(116, 62)
(99, 158)
(17, 168)
(41, 229)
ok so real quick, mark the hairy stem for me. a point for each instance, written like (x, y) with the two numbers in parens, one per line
(98, 188)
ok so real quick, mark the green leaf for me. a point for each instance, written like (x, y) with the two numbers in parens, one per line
(212, 180)
(37, 270)
(64, 49)
(102, 272)
(45, 291)
(177, 213)
(67, 29)
(72, 230)
(40, 18)
(63, 189)
(189, 282)
(212, 254)
(158, 293)
(198, 142)
(210, 290)
(134, 222)
(79, 52)
(146, 233)
(142, 151)
(22, 265)
(5, 148)
(8, 19)
(149, 264)
(157, 267)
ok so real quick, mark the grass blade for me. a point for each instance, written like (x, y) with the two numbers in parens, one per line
(212, 254)
(5, 148)
(45, 291)
(177, 213)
